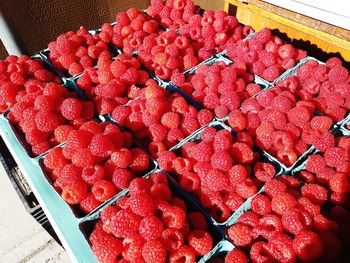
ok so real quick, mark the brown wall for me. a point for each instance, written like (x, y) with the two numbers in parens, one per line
(37, 22)
(210, 4)
(3, 52)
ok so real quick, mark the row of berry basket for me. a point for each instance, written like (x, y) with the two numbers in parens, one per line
(74, 231)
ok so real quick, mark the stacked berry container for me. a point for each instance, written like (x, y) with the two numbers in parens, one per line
(178, 134)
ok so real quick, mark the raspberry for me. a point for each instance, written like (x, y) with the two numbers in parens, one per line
(124, 224)
(122, 158)
(280, 247)
(324, 141)
(43, 75)
(321, 123)
(92, 174)
(74, 191)
(315, 193)
(121, 178)
(174, 216)
(237, 121)
(154, 251)
(308, 245)
(40, 148)
(339, 183)
(264, 171)
(171, 120)
(103, 190)
(101, 145)
(142, 204)
(246, 189)
(321, 224)
(215, 180)
(55, 159)
(282, 140)
(78, 139)
(200, 241)
(107, 248)
(249, 218)
(299, 116)
(315, 163)
(151, 228)
(338, 74)
(271, 73)
(44, 103)
(261, 205)
(282, 202)
(264, 35)
(47, 121)
(61, 132)
(89, 204)
(237, 174)
(133, 248)
(183, 253)
(236, 256)
(140, 160)
(334, 156)
(286, 51)
(296, 220)
(82, 158)
(165, 160)
(242, 153)
(278, 119)
(268, 225)
(189, 125)
(221, 160)
(240, 234)
(282, 104)
(259, 252)
(34, 136)
(158, 132)
(201, 152)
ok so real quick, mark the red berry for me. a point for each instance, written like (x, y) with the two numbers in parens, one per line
(308, 245)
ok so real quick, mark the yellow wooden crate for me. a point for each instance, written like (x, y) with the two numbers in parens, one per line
(255, 14)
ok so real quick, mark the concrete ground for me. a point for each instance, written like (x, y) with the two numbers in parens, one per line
(22, 239)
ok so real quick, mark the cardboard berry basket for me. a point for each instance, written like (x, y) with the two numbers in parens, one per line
(45, 55)
(88, 223)
(216, 58)
(294, 71)
(256, 77)
(263, 157)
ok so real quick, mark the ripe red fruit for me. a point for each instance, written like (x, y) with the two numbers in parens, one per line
(308, 245)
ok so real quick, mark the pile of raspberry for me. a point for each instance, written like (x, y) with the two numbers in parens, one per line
(172, 13)
(150, 225)
(330, 169)
(326, 85)
(20, 76)
(73, 52)
(219, 170)
(168, 53)
(215, 29)
(114, 82)
(131, 28)
(218, 87)
(265, 55)
(282, 124)
(160, 119)
(97, 161)
(290, 222)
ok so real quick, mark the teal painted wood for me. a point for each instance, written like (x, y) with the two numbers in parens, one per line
(56, 209)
